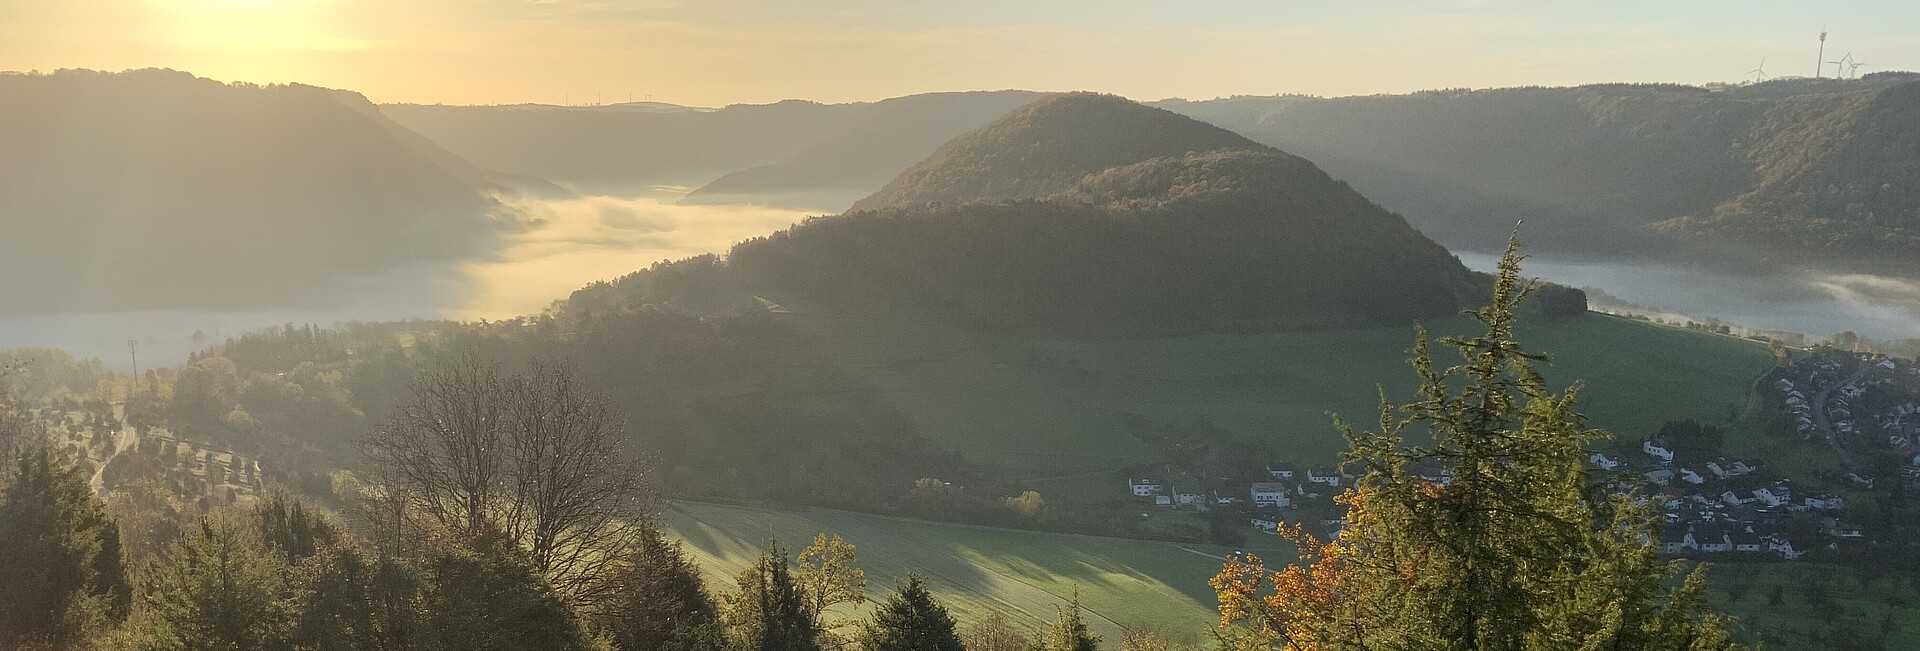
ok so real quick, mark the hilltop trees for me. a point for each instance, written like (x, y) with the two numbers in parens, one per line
(61, 568)
(1520, 551)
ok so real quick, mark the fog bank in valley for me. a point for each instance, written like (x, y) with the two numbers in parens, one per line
(1812, 303)
(565, 245)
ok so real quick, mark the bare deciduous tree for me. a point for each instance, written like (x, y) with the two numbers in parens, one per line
(534, 456)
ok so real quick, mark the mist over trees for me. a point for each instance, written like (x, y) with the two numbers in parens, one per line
(154, 189)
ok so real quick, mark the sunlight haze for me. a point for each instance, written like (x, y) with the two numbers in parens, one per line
(717, 52)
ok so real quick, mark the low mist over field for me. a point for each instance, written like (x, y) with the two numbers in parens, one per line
(577, 241)
(564, 244)
(1811, 303)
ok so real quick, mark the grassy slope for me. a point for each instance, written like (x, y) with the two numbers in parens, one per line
(978, 570)
(1131, 583)
(1050, 408)
(1744, 591)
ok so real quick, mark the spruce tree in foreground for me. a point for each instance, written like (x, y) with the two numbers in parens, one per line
(912, 621)
(1521, 551)
(1068, 633)
(661, 604)
(62, 576)
(223, 589)
(770, 613)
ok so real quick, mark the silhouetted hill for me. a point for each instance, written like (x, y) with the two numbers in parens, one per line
(858, 158)
(623, 149)
(1223, 236)
(1046, 147)
(1593, 169)
(156, 189)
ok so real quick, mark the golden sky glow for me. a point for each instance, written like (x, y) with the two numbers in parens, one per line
(714, 52)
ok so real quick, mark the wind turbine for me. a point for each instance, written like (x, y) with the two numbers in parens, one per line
(1840, 67)
(1854, 68)
(1760, 72)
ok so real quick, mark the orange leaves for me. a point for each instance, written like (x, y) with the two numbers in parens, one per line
(1294, 605)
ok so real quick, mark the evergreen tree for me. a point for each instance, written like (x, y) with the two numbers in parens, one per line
(661, 602)
(60, 559)
(770, 612)
(1068, 633)
(912, 621)
(222, 590)
(1520, 551)
(487, 596)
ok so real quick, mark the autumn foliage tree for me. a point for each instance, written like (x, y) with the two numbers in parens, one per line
(1522, 550)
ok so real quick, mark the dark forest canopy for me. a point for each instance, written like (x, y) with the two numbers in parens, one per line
(1046, 220)
(1227, 241)
(1047, 147)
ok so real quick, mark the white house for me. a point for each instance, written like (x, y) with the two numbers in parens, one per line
(1713, 541)
(1162, 500)
(1823, 502)
(1280, 472)
(1747, 542)
(1732, 499)
(1434, 472)
(1780, 545)
(1268, 525)
(1692, 476)
(1774, 496)
(1143, 487)
(1675, 542)
(1185, 499)
(1270, 493)
(1323, 476)
(1604, 461)
(1657, 450)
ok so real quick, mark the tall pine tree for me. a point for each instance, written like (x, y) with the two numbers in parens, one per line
(223, 589)
(770, 612)
(1069, 632)
(660, 602)
(1521, 551)
(60, 559)
(912, 621)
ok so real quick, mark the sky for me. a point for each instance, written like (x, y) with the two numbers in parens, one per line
(718, 52)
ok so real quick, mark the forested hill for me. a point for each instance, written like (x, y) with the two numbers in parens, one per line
(1046, 147)
(625, 148)
(1831, 172)
(1798, 169)
(155, 189)
(858, 158)
(1104, 236)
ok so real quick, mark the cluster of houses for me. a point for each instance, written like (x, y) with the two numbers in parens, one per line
(1722, 506)
(1283, 487)
(1880, 391)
